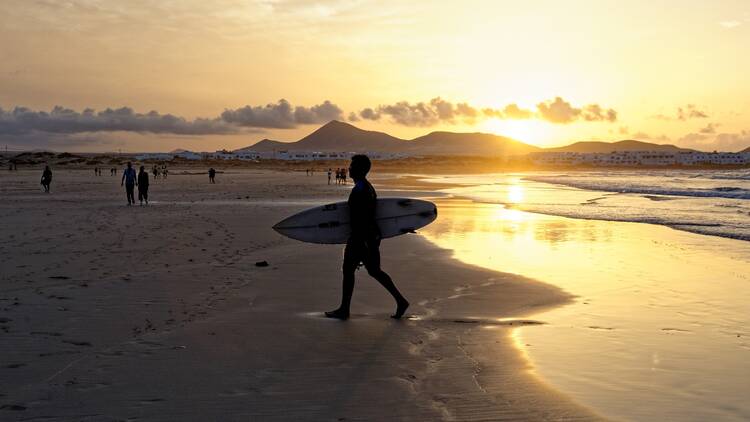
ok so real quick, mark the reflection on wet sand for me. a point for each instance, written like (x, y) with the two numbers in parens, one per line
(660, 317)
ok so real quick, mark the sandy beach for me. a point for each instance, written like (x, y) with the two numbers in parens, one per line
(109, 312)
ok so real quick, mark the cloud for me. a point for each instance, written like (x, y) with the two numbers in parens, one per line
(353, 117)
(595, 113)
(511, 111)
(438, 111)
(688, 112)
(61, 120)
(711, 128)
(369, 114)
(561, 111)
(730, 24)
(430, 113)
(733, 142)
(558, 111)
(281, 115)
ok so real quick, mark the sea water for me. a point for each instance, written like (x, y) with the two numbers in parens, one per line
(659, 327)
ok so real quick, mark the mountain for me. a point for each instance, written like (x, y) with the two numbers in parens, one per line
(626, 145)
(485, 144)
(336, 136)
(339, 136)
(746, 150)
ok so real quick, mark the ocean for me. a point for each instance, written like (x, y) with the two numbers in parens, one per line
(658, 325)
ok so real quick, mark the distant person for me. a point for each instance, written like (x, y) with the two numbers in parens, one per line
(343, 176)
(46, 178)
(329, 176)
(363, 245)
(156, 172)
(143, 185)
(211, 175)
(129, 179)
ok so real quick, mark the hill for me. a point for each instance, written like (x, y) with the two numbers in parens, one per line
(481, 144)
(626, 145)
(339, 136)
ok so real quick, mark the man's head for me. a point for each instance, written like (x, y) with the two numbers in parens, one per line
(143, 168)
(359, 166)
(130, 164)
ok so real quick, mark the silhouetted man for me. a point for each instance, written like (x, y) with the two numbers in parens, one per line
(211, 175)
(363, 245)
(46, 178)
(143, 185)
(129, 179)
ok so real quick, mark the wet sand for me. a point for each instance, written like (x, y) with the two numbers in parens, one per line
(110, 312)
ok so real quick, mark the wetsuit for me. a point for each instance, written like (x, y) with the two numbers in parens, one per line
(363, 246)
(143, 186)
(129, 177)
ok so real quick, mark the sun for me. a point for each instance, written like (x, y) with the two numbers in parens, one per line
(529, 131)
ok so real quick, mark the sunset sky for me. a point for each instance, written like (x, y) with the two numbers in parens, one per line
(214, 73)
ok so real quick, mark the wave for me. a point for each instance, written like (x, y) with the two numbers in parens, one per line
(620, 186)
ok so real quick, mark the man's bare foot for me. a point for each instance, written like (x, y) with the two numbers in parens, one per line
(400, 309)
(338, 314)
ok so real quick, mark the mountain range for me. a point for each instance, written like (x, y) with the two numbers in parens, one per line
(339, 136)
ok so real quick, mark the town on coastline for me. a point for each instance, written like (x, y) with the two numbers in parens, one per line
(337, 141)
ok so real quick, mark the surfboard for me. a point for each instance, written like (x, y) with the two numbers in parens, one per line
(330, 223)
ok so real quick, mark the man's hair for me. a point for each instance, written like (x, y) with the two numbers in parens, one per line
(362, 162)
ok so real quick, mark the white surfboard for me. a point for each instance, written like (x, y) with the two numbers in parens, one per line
(330, 223)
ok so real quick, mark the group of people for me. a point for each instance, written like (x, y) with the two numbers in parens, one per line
(12, 166)
(130, 179)
(362, 247)
(340, 176)
(160, 171)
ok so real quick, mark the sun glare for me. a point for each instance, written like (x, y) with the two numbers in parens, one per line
(529, 131)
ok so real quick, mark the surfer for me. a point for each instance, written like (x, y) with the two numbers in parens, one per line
(129, 179)
(363, 245)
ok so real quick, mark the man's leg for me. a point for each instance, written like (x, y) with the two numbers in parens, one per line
(372, 264)
(351, 260)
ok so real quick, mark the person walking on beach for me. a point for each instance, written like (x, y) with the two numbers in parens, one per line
(329, 176)
(129, 179)
(143, 185)
(46, 178)
(211, 175)
(363, 245)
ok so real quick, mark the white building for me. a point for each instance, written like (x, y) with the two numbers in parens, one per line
(640, 158)
(299, 155)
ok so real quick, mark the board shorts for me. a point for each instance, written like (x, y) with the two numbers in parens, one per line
(362, 251)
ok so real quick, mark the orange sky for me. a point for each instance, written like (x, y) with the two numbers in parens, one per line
(666, 71)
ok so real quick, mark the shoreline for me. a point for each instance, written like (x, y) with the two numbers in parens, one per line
(124, 313)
